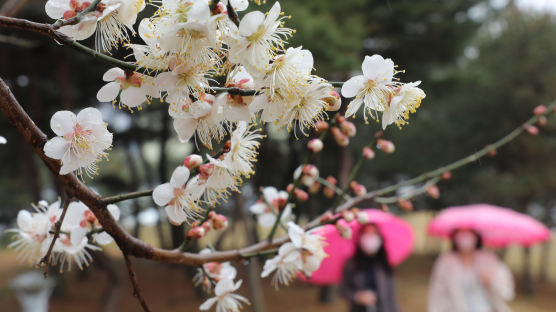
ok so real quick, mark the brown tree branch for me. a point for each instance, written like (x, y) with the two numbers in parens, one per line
(57, 227)
(135, 284)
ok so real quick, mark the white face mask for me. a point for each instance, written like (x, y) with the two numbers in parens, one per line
(370, 243)
(465, 241)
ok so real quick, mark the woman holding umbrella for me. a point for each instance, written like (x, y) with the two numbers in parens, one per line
(470, 279)
(368, 281)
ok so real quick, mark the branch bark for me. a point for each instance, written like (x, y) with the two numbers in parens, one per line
(135, 284)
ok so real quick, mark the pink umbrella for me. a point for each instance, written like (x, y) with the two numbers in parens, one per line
(498, 227)
(397, 237)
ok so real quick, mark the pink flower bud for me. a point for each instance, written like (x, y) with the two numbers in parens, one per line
(340, 138)
(321, 126)
(289, 188)
(192, 161)
(219, 222)
(334, 101)
(368, 153)
(326, 217)
(433, 191)
(384, 208)
(532, 130)
(310, 171)
(446, 175)
(385, 146)
(362, 217)
(315, 145)
(301, 195)
(492, 153)
(328, 192)
(206, 226)
(206, 170)
(344, 230)
(332, 180)
(405, 204)
(348, 128)
(358, 189)
(340, 119)
(196, 232)
(314, 188)
(542, 121)
(540, 110)
(348, 215)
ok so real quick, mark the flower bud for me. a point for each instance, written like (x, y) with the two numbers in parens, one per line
(340, 138)
(447, 175)
(206, 170)
(310, 171)
(196, 232)
(368, 153)
(492, 153)
(301, 195)
(532, 130)
(334, 101)
(321, 126)
(328, 192)
(384, 207)
(289, 188)
(542, 121)
(540, 110)
(340, 118)
(385, 146)
(211, 215)
(348, 215)
(332, 180)
(315, 188)
(206, 226)
(344, 230)
(315, 145)
(348, 128)
(362, 217)
(326, 217)
(433, 191)
(219, 222)
(405, 204)
(358, 189)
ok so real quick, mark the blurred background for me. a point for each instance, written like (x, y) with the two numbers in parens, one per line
(485, 64)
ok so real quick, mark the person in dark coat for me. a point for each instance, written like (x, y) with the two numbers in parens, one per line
(368, 282)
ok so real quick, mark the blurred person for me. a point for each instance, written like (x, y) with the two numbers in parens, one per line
(469, 279)
(368, 282)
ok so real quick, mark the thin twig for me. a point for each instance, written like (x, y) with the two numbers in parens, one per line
(134, 283)
(77, 18)
(122, 197)
(57, 227)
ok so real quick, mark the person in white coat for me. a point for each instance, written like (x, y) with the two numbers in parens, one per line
(469, 279)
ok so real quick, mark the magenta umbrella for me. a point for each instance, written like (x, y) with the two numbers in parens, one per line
(498, 227)
(397, 237)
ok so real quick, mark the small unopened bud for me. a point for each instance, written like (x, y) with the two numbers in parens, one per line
(321, 126)
(348, 128)
(358, 189)
(310, 171)
(532, 130)
(447, 175)
(193, 161)
(362, 217)
(348, 215)
(340, 138)
(405, 204)
(540, 110)
(289, 188)
(492, 153)
(211, 215)
(334, 101)
(385, 146)
(315, 188)
(206, 226)
(344, 230)
(340, 119)
(196, 232)
(206, 170)
(368, 153)
(542, 122)
(384, 207)
(328, 192)
(433, 191)
(331, 180)
(315, 145)
(219, 222)
(301, 195)
(326, 217)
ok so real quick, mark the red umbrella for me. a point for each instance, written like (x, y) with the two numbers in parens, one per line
(397, 237)
(498, 227)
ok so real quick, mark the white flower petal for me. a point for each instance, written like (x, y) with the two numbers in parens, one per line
(250, 23)
(114, 211)
(185, 128)
(108, 92)
(353, 86)
(163, 193)
(89, 118)
(133, 97)
(63, 122)
(179, 177)
(103, 238)
(176, 216)
(56, 147)
(113, 73)
(55, 8)
(207, 304)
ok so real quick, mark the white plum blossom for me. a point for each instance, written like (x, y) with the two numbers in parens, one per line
(3, 140)
(183, 80)
(286, 264)
(181, 204)
(81, 140)
(135, 88)
(31, 236)
(216, 271)
(373, 88)
(237, 107)
(259, 37)
(150, 55)
(244, 148)
(267, 207)
(79, 215)
(111, 19)
(406, 100)
(225, 299)
(73, 247)
(289, 71)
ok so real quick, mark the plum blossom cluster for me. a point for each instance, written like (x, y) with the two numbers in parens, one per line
(80, 234)
(302, 255)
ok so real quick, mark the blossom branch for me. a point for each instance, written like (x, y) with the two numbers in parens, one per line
(134, 283)
(77, 18)
(57, 228)
(122, 197)
(419, 191)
